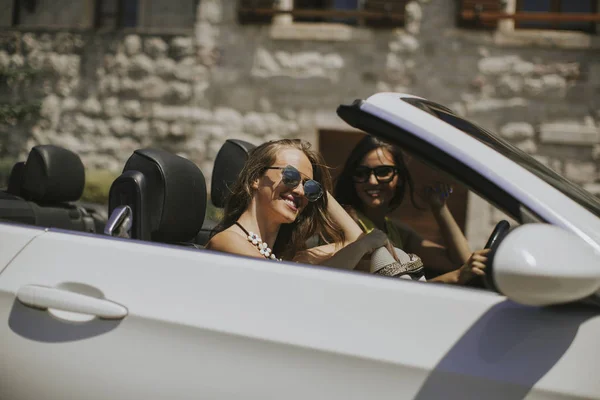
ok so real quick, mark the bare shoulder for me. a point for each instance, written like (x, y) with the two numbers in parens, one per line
(230, 241)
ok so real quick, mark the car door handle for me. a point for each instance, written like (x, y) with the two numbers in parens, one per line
(59, 299)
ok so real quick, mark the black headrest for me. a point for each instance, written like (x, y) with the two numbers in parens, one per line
(15, 179)
(52, 174)
(229, 163)
(175, 194)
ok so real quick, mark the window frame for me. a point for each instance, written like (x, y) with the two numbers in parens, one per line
(555, 7)
(285, 12)
(92, 20)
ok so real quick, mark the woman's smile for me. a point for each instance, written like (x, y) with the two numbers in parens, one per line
(373, 192)
(291, 201)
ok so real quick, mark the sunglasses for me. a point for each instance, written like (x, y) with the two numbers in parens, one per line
(291, 178)
(383, 173)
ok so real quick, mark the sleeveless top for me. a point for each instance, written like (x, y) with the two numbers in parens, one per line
(391, 229)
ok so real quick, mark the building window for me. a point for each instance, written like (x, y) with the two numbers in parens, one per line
(147, 15)
(374, 13)
(53, 14)
(529, 14)
(559, 7)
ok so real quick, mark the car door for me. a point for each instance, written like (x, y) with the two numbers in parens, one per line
(527, 191)
(14, 238)
(199, 324)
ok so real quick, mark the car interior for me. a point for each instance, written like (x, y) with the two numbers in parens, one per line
(44, 190)
(158, 197)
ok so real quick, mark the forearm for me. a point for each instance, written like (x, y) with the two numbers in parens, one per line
(449, 277)
(457, 245)
(350, 228)
(333, 255)
(347, 257)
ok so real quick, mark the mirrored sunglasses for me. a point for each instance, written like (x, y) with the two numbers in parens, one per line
(291, 178)
(383, 173)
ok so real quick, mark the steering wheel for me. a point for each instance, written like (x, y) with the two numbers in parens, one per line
(500, 230)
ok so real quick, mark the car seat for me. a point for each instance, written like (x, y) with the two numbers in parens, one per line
(41, 190)
(228, 164)
(159, 197)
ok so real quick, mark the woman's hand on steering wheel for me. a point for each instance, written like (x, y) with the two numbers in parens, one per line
(474, 266)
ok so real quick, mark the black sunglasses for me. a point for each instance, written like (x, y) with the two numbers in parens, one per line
(383, 173)
(291, 178)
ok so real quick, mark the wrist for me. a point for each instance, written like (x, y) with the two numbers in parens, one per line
(439, 211)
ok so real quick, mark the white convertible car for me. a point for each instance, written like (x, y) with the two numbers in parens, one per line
(140, 313)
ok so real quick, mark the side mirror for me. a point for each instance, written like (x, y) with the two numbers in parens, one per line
(541, 264)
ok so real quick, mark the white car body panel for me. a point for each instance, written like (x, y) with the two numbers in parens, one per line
(202, 324)
(13, 238)
(254, 326)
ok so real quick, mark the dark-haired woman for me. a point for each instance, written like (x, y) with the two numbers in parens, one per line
(280, 200)
(374, 182)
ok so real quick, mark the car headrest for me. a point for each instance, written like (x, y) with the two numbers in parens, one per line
(52, 174)
(15, 179)
(229, 163)
(175, 194)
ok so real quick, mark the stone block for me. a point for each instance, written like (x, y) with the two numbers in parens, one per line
(523, 68)
(593, 188)
(120, 126)
(141, 66)
(159, 129)
(132, 44)
(404, 43)
(487, 105)
(156, 47)
(51, 109)
(210, 11)
(510, 85)
(581, 172)
(569, 132)
(497, 65)
(180, 92)
(153, 88)
(229, 118)
(91, 106)
(4, 59)
(36, 60)
(182, 46)
(554, 82)
(517, 130)
(111, 107)
(84, 125)
(132, 109)
(180, 129)
(189, 70)
(533, 86)
(528, 146)
(165, 67)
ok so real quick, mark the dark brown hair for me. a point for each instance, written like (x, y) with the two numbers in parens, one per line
(345, 192)
(314, 219)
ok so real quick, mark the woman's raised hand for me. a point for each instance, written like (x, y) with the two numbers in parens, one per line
(436, 195)
(475, 265)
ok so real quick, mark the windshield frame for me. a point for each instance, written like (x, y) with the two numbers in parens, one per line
(573, 191)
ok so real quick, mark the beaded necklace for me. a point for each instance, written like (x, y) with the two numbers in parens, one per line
(261, 246)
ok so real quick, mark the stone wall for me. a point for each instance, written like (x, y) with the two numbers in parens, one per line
(105, 94)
